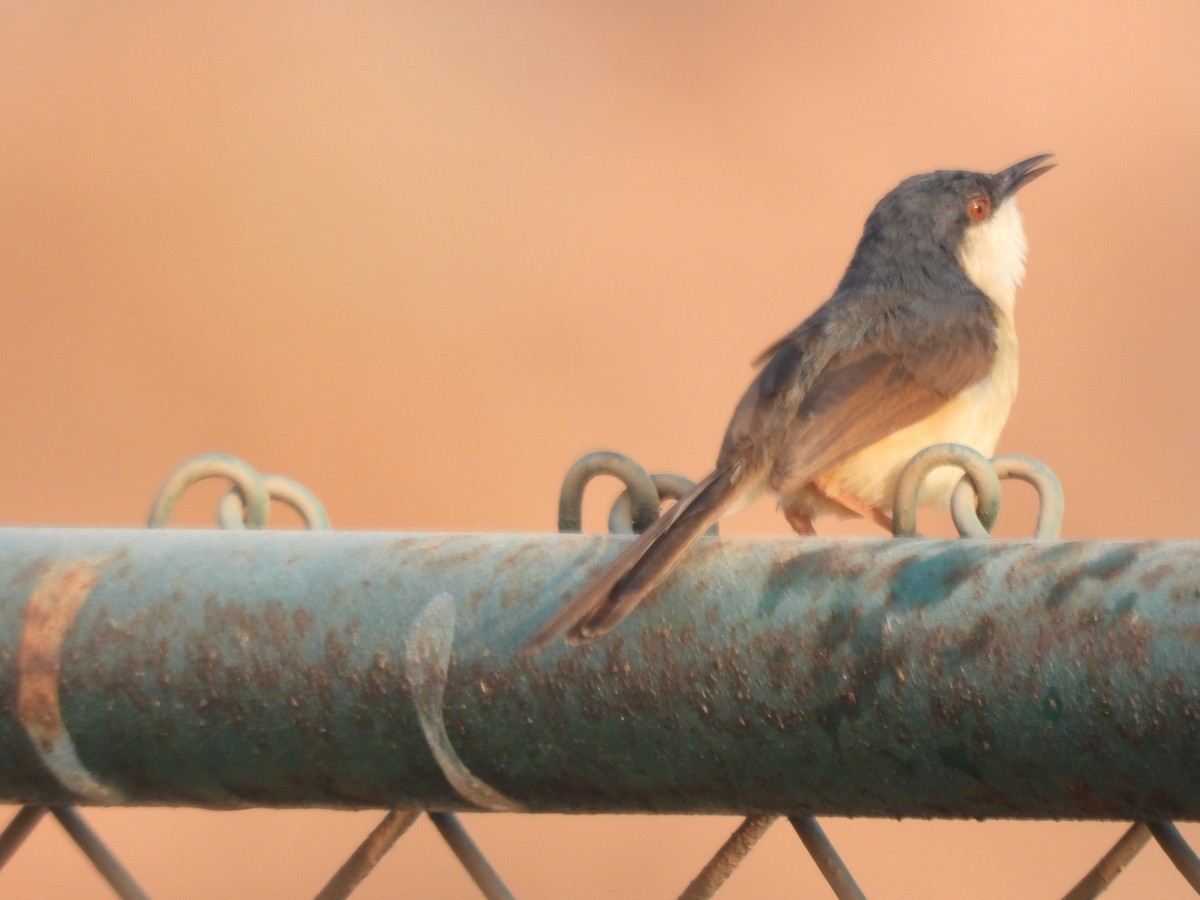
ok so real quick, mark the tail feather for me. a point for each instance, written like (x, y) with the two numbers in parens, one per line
(609, 597)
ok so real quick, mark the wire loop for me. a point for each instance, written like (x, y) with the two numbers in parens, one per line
(248, 500)
(245, 479)
(972, 520)
(975, 502)
(232, 511)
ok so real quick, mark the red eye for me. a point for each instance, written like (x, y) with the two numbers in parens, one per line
(978, 208)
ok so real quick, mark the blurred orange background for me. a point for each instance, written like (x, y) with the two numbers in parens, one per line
(421, 257)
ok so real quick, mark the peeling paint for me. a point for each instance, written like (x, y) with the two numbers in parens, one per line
(59, 593)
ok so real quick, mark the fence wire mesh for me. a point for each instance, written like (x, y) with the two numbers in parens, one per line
(974, 508)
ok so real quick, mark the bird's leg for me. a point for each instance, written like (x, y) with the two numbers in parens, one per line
(854, 505)
(801, 522)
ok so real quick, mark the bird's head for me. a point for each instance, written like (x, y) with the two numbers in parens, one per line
(970, 218)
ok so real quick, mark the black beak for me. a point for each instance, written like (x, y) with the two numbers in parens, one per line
(1012, 179)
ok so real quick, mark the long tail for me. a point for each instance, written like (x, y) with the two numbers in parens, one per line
(612, 595)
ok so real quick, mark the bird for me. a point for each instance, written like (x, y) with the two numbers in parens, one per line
(916, 346)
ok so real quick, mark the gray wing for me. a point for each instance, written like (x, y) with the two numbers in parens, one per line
(859, 369)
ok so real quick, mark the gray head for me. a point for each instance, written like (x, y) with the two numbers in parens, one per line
(967, 220)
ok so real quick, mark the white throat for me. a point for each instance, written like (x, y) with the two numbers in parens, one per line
(993, 255)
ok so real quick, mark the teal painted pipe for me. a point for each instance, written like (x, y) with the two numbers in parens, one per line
(900, 677)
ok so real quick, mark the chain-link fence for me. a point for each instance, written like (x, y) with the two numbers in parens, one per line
(797, 712)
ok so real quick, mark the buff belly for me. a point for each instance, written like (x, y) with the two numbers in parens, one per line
(974, 418)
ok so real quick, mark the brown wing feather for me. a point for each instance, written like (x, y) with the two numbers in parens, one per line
(851, 410)
(854, 373)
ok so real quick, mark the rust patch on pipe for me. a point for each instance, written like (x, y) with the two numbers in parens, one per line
(52, 606)
(55, 601)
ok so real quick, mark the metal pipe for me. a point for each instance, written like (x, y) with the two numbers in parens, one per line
(899, 677)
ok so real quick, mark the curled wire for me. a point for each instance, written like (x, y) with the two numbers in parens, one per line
(1051, 502)
(975, 502)
(1020, 468)
(634, 509)
(247, 502)
(605, 462)
(668, 487)
(232, 511)
(977, 472)
(639, 485)
(212, 465)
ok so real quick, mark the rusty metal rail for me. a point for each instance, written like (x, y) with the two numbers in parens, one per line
(903, 677)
